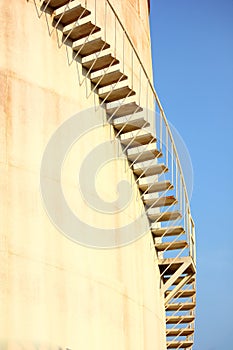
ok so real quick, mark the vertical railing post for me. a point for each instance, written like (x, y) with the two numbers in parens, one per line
(193, 240)
(161, 131)
(105, 20)
(167, 148)
(189, 233)
(155, 117)
(172, 164)
(177, 190)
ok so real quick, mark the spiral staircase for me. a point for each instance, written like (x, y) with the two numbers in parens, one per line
(152, 156)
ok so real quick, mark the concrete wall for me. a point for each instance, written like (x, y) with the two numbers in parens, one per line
(54, 293)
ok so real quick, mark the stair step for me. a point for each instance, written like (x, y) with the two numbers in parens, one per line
(167, 231)
(178, 280)
(89, 45)
(81, 29)
(137, 137)
(152, 184)
(179, 332)
(55, 3)
(180, 307)
(69, 13)
(123, 107)
(179, 344)
(116, 91)
(166, 216)
(171, 245)
(107, 76)
(171, 265)
(180, 319)
(143, 153)
(150, 167)
(188, 293)
(99, 60)
(154, 201)
(131, 122)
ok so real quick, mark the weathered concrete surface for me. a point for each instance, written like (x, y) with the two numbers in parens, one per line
(55, 294)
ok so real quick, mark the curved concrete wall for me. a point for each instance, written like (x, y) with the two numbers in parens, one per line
(54, 293)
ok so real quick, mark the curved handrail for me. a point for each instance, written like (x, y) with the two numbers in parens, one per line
(191, 228)
(157, 101)
(156, 98)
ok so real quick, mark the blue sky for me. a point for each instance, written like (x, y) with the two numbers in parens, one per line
(192, 46)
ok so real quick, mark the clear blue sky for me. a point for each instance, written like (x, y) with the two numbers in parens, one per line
(192, 45)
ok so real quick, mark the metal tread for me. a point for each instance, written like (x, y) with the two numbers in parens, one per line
(144, 152)
(167, 231)
(182, 344)
(137, 137)
(180, 332)
(54, 4)
(116, 91)
(107, 76)
(89, 45)
(80, 29)
(154, 215)
(171, 265)
(131, 122)
(149, 167)
(151, 184)
(184, 319)
(123, 107)
(171, 245)
(99, 60)
(154, 201)
(180, 307)
(178, 280)
(183, 293)
(70, 13)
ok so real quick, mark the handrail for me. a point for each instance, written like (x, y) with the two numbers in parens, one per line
(159, 106)
(155, 95)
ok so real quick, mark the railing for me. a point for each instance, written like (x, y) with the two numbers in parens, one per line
(162, 129)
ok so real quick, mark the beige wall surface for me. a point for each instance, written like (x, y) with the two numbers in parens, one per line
(55, 293)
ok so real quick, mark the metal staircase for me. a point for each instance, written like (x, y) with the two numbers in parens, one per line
(151, 152)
